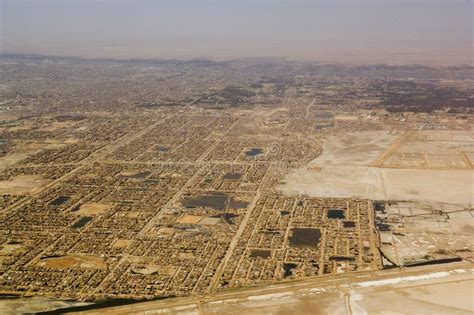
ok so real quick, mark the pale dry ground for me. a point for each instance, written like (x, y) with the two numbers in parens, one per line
(345, 172)
(23, 151)
(345, 117)
(448, 186)
(209, 221)
(426, 232)
(20, 185)
(432, 298)
(73, 261)
(59, 125)
(11, 159)
(6, 249)
(461, 222)
(442, 289)
(121, 243)
(92, 209)
(189, 219)
(33, 305)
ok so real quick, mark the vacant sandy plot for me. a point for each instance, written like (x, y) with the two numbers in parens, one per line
(92, 209)
(343, 171)
(21, 185)
(166, 230)
(427, 149)
(189, 219)
(133, 214)
(32, 305)
(335, 181)
(7, 249)
(278, 303)
(444, 186)
(449, 186)
(358, 148)
(346, 117)
(462, 222)
(19, 153)
(456, 187)
(421, 231)
(11, 159)
(34, 147)
(58, 125)
(432, 298)
(121, 243)
(73, 261)
(209, 221)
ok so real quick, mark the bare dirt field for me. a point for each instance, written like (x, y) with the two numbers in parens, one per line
(343, 170)
(58, 125)
(430, 150)
(33, 305)
(21, 185)
(5, 249)
(92, 209)
(189, 219)
(435, 297)
(11, 159)
(74, 261)
(121, 243)
(419, 230)
(449, 186)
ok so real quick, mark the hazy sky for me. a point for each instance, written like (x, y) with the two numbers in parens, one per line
(390, 31)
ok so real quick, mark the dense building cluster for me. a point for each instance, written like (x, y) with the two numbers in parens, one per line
(140, 179)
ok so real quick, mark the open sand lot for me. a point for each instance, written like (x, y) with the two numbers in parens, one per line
(335, 181)
(189, 219)
(25, 150)
(6, 249)
(455, 187)
(92, 209)
(430, 150)
(121, 243)
(386, 184)
(33, 305)
(434, 297)
(345, 172)
(11, 159)
(357, 148)
(73, 261)
(21, 185)
(58, 125)
(419, 230)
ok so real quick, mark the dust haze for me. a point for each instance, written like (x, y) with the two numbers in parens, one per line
(390, 31)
